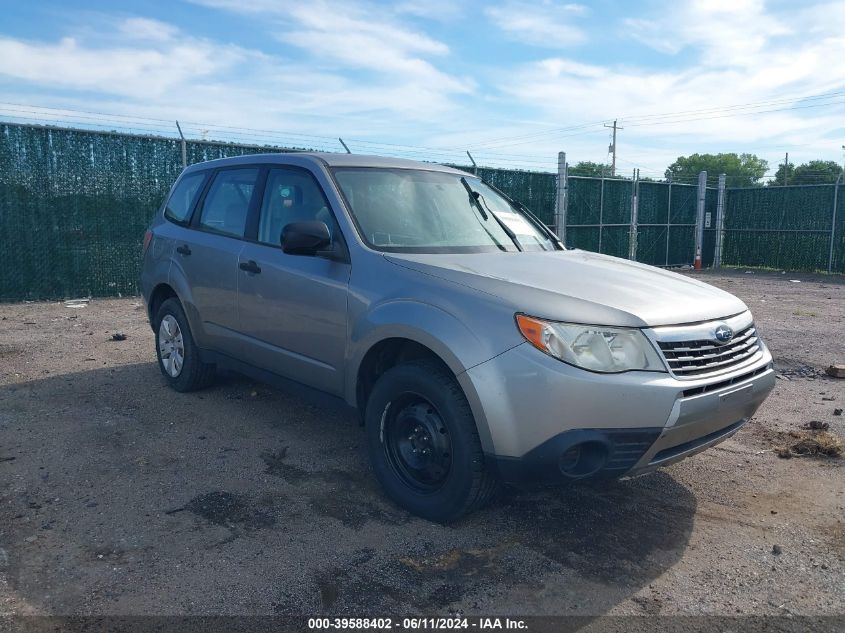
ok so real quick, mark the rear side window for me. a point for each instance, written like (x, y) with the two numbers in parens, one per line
(183, 197)
(227, 202)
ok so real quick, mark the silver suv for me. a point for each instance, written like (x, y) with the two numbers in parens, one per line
(478, 349)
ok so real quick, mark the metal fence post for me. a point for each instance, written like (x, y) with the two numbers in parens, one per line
(184, 146)
(632, 233)
(833, 221)
(699, 219)
(720, 222)
(560, 200)
(668, 219)
(601, 209)
(474, 166)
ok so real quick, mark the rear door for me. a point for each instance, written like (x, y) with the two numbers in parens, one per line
(292, 308)
(207, 255)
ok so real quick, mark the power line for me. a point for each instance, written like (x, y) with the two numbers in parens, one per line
(656, 117)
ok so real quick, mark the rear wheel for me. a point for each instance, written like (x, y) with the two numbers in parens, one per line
(424, 444)
(178, 355)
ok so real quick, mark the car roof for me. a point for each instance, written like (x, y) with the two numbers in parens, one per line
(324, 158)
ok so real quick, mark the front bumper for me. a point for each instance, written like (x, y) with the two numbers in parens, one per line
(532, 409)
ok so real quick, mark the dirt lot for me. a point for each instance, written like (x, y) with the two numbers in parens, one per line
(119, 496)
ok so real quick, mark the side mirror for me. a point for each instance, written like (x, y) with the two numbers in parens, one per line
(305, 238)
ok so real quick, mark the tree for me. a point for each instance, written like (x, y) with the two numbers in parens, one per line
(742, 170)
(589, 168)
(815, 172)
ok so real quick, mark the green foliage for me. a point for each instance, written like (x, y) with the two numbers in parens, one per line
(814, 172)
(742, 170)
(589, 168)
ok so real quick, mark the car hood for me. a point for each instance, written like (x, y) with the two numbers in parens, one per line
(579, 286)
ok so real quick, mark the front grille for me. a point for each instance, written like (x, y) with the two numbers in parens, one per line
(698, 357)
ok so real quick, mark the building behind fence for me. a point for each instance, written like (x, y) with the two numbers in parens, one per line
(74, 205)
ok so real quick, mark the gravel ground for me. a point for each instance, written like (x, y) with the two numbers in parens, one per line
(120, 496)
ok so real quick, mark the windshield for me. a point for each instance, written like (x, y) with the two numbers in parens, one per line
(409, 210)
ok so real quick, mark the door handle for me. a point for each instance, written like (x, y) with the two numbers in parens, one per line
(250, 267)
(183, 250)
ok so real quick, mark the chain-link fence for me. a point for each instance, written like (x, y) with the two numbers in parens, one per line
(652, 222)
(788, 228)
(74, 204)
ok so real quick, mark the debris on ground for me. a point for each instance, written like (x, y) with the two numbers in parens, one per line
(816, 425)
(837, 412)
(77, 303)
(837, 371)
(118, 336)
(800, 370)
(777, 550)
(810, 443)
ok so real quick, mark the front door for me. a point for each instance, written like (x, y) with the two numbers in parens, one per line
(292, 308)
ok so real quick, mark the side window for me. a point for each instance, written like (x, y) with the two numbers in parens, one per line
(184, 196)
(227, 201)
(291, 196)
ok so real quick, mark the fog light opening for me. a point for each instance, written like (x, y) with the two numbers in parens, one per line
(583, 460)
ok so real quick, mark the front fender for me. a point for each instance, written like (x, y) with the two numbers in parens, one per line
(442, 332)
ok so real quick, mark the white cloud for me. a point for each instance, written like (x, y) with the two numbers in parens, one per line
(132, 71)
(360, 36)
(142, 67)
(726, 32)
(147, 29)
(367, 70)
(735, 52)
(542, 24)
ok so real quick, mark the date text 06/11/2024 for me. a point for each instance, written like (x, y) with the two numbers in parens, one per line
(417, 624)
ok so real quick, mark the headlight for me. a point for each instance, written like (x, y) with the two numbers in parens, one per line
(592, 347)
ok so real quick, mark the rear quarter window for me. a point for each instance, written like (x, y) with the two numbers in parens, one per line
(184, 195)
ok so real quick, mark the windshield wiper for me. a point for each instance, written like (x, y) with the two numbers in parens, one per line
(475, 197)
(472, 199)
(474, 203)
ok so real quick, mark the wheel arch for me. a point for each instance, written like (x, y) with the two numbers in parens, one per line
(407, 330)
(161, 293)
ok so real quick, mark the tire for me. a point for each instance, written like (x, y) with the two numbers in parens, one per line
(173, 334)
(423, 394)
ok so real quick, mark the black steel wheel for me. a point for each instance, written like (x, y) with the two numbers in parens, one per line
(424, 444)
(417, 443)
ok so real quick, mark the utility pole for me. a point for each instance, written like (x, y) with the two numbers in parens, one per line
(612, 147)
(786, 170)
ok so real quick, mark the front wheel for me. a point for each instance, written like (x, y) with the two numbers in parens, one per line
(424, 444)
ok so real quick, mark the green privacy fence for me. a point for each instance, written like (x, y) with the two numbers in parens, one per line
(600, 217)
(789, 228)
(74, 204)
(784, 227)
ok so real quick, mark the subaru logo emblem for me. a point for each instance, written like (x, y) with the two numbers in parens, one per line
(724, 333)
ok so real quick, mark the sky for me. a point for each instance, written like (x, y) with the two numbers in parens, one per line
(514, 82)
